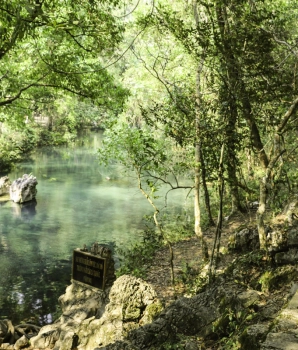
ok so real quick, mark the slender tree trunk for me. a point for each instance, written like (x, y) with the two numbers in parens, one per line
(206, 192)
(161, 232)
(228, 94)
(265, 184)
(261, 212)
(216, 244)
(197, 209)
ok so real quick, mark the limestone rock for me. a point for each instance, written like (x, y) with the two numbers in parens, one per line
(244, 240)
(94, 317)
(290, 209)
(249, 297)
(21, 343)
(250, 339)
(4, 185)
(284, 335)
(277, 240)
(133, 302)
(293, 235)
(188, 316)
(280, 341)
(23, 189)
(6, 331)
(285, 258)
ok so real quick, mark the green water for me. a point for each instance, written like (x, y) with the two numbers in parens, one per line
(78, 202)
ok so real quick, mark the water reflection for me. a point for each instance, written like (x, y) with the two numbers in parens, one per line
(78, 202)
(25, 211)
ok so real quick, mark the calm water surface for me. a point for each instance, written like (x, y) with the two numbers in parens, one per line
(78, 202)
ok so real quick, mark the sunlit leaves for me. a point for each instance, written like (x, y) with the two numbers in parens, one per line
(53, 46)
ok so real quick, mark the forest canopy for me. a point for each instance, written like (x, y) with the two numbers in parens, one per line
(200, 89)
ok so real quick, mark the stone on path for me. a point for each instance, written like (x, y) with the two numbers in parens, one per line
(284, 335)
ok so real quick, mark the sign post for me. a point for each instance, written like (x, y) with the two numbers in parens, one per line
(89, 269)
(94, 268)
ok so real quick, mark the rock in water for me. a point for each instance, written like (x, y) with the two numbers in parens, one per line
(23, 189)
(4, 185)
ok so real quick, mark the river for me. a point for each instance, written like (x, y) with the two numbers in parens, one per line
(78, 202)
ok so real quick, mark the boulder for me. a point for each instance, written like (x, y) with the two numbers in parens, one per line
(244, 240)
(195, 316)
(253, 335)
(93, 317)
(249, 298)
(21, 343)
(6, 332)
(284, 334)
(23, 189)
(4, 185)
(287, 258)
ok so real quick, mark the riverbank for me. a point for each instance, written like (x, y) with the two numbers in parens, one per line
(249, 302)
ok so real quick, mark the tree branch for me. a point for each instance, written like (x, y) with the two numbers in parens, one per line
(293, 108)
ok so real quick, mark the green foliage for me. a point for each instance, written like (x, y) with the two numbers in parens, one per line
(136, 260)
(65, 44)
(133, 147)
(14, 145)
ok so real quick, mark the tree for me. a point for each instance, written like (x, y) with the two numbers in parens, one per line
(151, 161)
(49, 46)
(245, 82)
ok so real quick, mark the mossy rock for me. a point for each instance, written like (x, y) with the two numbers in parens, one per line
(273, 279)
(131, 312)
(252, 336)
(151, 312)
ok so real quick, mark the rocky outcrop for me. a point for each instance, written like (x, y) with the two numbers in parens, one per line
(284, 334)
(244, 240)
(23, 189)
(93, 317)
(16, 337)
(4, 185)
(197, 316)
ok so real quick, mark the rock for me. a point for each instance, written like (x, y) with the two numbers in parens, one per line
(293, 235)
(273, 279)
(6, 332)
(244, 240)
(285, 258)
(250, 339)
(23, 189)
(253, 205)
(280, 341)
(194, 316)
(284, 334)
(100, 317)
(133, 302)
(21, 343)
(277, 241)
(290, 208)
(248, 298)
(4, 185)
(283, 237)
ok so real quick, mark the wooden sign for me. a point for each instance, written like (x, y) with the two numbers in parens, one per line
(89, 269)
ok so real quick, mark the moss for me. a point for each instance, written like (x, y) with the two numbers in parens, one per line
(271, 279)
(131, 312)
(153, 310)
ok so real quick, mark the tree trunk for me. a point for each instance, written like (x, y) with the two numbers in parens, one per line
(206, 192)
(197, 169)
(261, 213)
(229, 103)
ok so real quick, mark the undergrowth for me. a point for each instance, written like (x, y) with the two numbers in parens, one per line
(136, 260)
